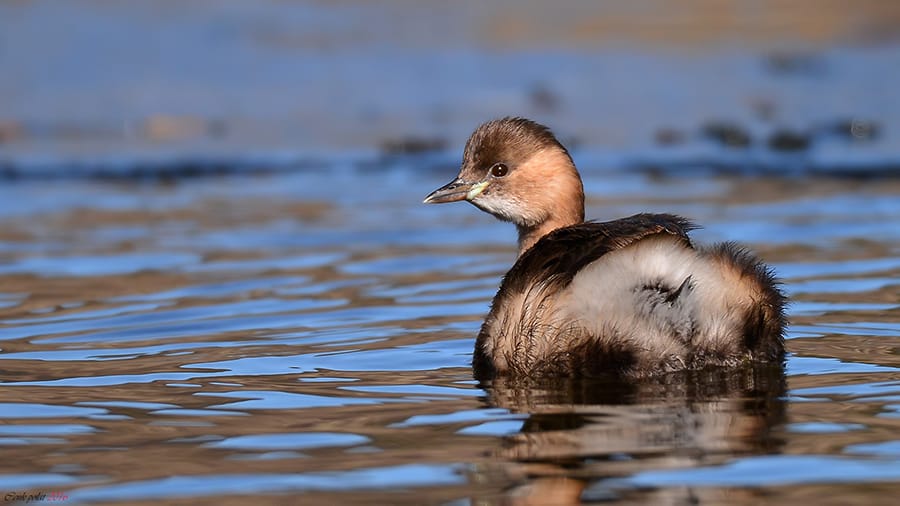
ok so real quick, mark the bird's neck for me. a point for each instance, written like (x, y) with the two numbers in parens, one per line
(528, 235)
(555, 195)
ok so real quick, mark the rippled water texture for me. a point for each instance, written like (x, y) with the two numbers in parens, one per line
(223, 338)
(218, 284)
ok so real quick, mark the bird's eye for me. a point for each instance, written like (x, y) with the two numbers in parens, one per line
(499, 170)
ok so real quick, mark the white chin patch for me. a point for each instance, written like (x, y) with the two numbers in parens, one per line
(504, 209)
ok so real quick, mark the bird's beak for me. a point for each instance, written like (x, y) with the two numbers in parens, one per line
(454, 191)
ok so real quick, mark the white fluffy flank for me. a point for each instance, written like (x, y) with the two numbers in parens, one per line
(622, 296)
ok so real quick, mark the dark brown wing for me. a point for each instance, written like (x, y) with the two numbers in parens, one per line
(559, 255)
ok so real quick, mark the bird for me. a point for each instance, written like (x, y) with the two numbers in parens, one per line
(633, 297)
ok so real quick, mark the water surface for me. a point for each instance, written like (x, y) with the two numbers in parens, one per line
(308, 333)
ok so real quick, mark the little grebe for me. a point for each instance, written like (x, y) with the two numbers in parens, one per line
(630, 297)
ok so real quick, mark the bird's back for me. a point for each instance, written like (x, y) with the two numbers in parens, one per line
(630, 296)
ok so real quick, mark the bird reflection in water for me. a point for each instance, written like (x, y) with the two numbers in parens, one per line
(584, 437)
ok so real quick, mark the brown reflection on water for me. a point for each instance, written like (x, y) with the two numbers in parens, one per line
(577, 432)
(138, 445)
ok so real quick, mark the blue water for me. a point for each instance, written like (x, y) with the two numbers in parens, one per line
(218, 284)
(293, 333)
